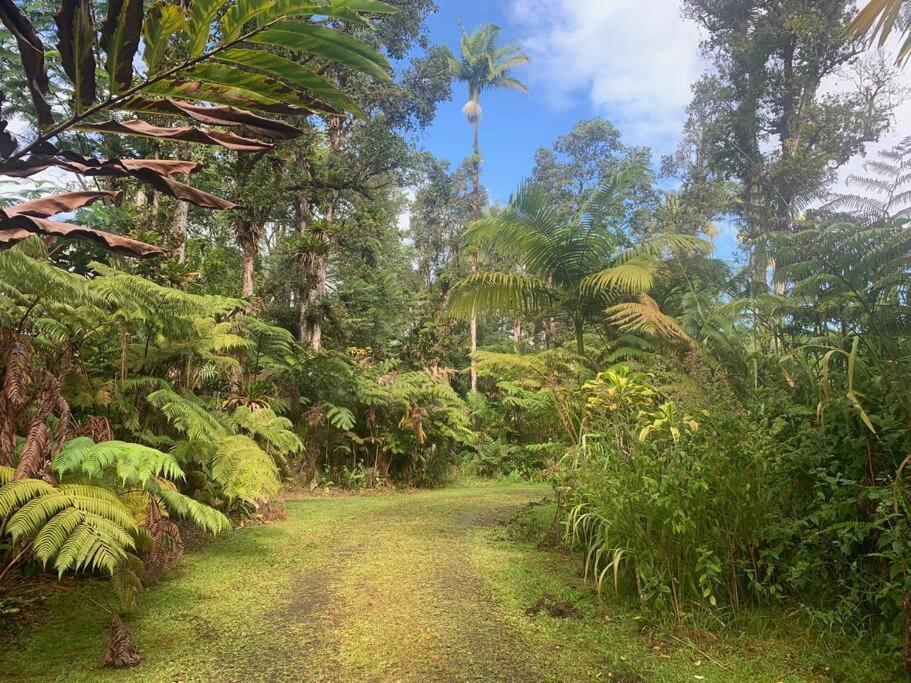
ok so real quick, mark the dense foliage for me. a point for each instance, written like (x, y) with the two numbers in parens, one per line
(719, 438)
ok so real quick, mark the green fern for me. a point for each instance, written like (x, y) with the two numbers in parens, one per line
(131, 463)
(245, 471)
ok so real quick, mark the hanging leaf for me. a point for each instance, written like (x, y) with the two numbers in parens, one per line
(120, 39)
(8, 143)
(161, 22)
(60, 203)
(182, 191)
(199, 22)
(140, 128)
(31, 53)
(286, 70)
(328, 44)
(88, 166)
(21, 226)
(219, 115)
(76, 35)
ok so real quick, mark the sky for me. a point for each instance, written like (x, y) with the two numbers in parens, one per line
(631, 61)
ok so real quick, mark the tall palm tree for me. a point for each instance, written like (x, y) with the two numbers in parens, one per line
(881, 17)
(574, 269)
(483, 66)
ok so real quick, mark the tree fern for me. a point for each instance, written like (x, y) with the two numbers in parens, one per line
(244, 470)
(274, 430)
(71, 526)
(130, 463)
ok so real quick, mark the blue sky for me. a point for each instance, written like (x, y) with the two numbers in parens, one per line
(577, 72)
(631, 61)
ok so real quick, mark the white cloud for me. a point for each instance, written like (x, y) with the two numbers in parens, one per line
(635, 61)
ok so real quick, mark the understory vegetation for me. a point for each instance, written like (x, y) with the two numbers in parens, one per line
(724, 433)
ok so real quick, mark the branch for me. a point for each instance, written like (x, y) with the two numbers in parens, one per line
(112, 101)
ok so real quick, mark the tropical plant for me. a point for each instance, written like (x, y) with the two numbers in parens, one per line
(881, 18)
(577, 269)
(483, 65)
(884, 193)
(200, 63)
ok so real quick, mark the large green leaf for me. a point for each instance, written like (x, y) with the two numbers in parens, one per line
(233, 97)
(224, 74)
(245, 11)
(162, 21)
(328, 44)
(239, 14)
(287, 70)
(199, 23)
(120, 38)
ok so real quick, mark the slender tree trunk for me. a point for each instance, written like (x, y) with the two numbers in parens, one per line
(313, 268)
(313, 260)
(250, 248)
(179, 230)
(517, 333)
(475, 215)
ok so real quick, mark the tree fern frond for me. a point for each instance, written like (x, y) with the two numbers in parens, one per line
(646, 316)
(204, 517)
(131, 463)
(244, 470)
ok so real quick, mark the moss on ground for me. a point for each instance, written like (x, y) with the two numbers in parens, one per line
(416, 587)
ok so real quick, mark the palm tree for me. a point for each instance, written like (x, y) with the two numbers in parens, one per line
(483, 66)
(576, 269)
(881, 17)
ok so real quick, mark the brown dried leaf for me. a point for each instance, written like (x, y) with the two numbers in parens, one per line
(31, 52)
(65, 424)
(168, 541)
(59, 203)
(97, 428)
(34, 451)
(8, 143)
(183, 192)
(77, 42)
(140, 128)
(108, 168)
(40, 226)
(120, 39)
(216, 115)
(122, 650)
(16, 378)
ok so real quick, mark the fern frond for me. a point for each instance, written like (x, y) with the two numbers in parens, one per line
(131, 463)
(201, 515)
(645, 316)
(244, 470)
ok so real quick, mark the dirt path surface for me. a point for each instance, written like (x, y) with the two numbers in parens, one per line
(409, 587)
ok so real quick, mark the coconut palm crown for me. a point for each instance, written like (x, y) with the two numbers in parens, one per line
(484, 66)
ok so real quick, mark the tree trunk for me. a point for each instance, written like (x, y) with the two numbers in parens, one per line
(250, 248)
(179, 230)
(475, 215)
(313, 269)
(313, 260)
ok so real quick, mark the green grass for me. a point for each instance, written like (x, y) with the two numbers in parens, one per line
(414, 587)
